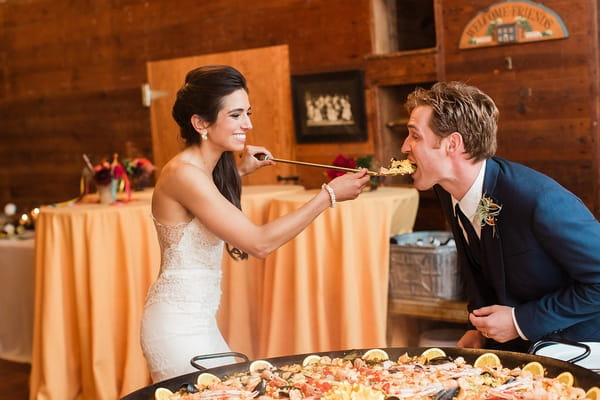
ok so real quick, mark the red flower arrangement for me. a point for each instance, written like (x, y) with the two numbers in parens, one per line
(105, 172)
(109, 177)
(341, 161)
(140, 172)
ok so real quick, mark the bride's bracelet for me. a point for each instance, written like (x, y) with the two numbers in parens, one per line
(331, 194)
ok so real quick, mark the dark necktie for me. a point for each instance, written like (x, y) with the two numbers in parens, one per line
(474, 243)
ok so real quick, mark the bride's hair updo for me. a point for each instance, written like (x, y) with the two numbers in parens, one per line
(202, 94)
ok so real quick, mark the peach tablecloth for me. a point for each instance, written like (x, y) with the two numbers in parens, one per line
(328, 288)
(16, 299)
(94, 264)
(240, 311)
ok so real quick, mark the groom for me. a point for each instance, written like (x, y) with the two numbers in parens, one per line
(528, 249)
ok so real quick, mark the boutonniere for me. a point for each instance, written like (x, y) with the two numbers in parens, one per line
(487, 212)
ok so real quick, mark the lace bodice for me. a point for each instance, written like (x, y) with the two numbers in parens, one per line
(179, 319)
(190, 270)
(188, 245)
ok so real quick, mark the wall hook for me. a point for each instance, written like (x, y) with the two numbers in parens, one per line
(148, 94)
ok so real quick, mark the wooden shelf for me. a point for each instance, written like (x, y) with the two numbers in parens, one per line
(438, 310)
(405, 68)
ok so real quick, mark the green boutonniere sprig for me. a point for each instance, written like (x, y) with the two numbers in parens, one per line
(487, 212)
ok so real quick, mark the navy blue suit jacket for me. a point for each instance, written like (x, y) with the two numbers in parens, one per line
(543, 259)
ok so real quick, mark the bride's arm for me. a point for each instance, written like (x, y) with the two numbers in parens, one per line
(202, 199)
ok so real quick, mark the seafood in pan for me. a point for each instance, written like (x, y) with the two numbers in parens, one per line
(374, 376)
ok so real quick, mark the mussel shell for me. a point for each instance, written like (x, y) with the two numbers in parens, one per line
(447, 394)
(440, 360)
(261, 387)
(393, 370)
(284, 391)
(188, 388)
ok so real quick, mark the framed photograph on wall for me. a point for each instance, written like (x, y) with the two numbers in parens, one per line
(329, 107)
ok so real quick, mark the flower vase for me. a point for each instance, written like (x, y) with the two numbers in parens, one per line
(106, 194)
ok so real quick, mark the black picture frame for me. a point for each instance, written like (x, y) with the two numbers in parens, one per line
(329, 107)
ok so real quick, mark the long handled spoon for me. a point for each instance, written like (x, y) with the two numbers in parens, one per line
(262, 156)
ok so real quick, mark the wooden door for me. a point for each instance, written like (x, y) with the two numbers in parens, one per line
(267, 72)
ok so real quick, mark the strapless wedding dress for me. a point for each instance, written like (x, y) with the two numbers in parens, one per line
(179, 319)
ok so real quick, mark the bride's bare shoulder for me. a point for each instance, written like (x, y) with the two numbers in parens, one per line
(177, 182)
(179, 171)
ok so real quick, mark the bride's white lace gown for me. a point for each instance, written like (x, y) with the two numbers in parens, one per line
(179, 319)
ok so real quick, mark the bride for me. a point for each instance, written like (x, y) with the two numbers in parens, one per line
(196, 209)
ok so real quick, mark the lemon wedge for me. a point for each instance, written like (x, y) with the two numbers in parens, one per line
(162, 394)
(259, 365)
(205, 379)
(312, 359)
(375, 355)
(566, 377)
(535, 368)
(593, 393)
(433, 352)
(487, 360)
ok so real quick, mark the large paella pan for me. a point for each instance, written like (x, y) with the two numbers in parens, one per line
(583, 378)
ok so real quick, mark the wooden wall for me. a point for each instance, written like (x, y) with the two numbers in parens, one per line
(548, 101)
(71, 75)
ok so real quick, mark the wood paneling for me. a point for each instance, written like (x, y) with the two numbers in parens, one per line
(402, 68)
(548, 100)
(15, 380)
(43, 140)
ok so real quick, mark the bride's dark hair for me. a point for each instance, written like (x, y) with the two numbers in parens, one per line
(202, 94)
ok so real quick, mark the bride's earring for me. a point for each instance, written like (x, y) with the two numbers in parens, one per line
(204, 134)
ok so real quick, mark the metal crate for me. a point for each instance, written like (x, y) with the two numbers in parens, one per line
(423, 266)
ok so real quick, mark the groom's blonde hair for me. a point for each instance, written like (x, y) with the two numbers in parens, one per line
(458, 107)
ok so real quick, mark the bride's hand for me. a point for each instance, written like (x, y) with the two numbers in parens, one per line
(249, 163)
(350, 185)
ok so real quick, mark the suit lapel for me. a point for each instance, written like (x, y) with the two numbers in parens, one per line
(492, 243)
